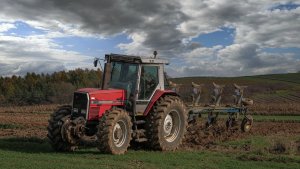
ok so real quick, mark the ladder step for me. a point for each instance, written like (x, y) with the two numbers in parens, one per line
(139, 140)
(140, 122)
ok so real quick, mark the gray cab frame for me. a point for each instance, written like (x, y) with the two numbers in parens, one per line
(140, 105)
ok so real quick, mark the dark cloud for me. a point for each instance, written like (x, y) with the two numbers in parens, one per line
(6, 69)
(246, 54)
(157, 19)
(167, 26)
(251, 58)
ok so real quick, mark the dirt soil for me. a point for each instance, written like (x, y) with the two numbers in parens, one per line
(198, 137)
(24, 124)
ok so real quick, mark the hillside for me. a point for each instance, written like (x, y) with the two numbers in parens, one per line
(275, 88)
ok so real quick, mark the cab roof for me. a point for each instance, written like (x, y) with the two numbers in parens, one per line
(134, 59)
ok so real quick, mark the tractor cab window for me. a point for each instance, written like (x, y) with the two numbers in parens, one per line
(124, 76)
(148, 82)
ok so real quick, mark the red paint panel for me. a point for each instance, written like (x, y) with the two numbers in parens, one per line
(109, 98)
(94, 113)
(156, 96)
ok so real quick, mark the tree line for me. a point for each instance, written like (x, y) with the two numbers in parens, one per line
(57, 87)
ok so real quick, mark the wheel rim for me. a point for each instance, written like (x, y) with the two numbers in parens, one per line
(248, 123)
(247, 126)
(171, 126)
(119, 133)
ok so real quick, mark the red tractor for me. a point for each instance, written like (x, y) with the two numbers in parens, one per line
(133, 105)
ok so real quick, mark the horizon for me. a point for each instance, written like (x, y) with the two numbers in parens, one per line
(96, 69)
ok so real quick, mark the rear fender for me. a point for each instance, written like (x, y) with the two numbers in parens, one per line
(157, 95)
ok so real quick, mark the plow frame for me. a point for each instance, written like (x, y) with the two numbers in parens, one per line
(233, 114)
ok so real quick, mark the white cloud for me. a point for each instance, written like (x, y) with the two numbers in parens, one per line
(36, 53)
(135, 46)
(6, 26)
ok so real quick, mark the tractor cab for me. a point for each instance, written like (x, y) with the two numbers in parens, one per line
(139, 77)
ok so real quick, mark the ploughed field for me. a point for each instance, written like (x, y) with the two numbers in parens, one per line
(273, 142)
(31, 121)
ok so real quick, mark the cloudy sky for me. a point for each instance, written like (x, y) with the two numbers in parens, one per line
(200, 38)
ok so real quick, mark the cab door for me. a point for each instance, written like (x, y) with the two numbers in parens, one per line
(148, 84)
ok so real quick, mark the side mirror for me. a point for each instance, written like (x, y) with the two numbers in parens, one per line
(96, 60)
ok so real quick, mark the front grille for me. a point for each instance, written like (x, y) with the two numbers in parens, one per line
(80, 104)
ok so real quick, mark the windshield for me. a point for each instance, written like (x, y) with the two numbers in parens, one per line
(123, 76)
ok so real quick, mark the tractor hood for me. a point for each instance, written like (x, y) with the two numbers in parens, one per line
(104, 95)
(101, 100)
(97, 90)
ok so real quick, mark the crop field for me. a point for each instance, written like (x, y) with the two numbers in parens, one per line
(273, 142)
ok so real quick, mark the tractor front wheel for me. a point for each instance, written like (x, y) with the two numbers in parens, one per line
(114, 132)
(55, 124)
(166, 124)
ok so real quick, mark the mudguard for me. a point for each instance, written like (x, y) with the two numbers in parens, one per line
(158, 94)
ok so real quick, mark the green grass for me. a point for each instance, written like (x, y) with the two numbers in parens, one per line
(36, 153)
(258, 142)
(262, 145)
(276, 118)
(10, 126)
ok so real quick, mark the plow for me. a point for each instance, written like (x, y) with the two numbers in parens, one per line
(233, 112)
(136, 104)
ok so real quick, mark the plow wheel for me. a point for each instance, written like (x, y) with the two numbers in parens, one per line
(166, 124)
(55, 124)
(114, 132)
(247, 123)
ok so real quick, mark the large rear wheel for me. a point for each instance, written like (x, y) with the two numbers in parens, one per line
(114, 132)
(55, 132)
(166, 124)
